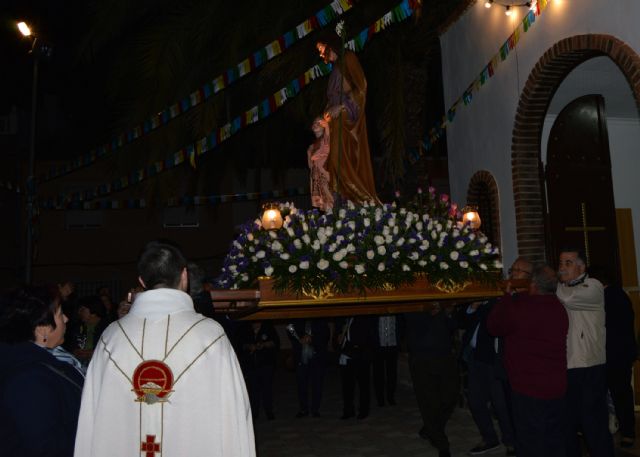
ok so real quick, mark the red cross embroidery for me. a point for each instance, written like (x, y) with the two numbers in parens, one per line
(150, 446)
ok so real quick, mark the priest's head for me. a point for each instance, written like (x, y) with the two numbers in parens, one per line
(329, 46)
(162, 265)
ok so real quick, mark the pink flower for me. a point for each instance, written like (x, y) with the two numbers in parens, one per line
(419, 190)
(432, 190)
(397, 193)
(444, 198)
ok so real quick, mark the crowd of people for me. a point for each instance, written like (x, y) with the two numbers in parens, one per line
(162, 376)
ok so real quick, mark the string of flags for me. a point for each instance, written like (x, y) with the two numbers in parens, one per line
(262, 110)
(257, 59)
(140, 203)
(438, 129)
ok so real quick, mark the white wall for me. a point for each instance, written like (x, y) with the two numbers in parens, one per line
(480, 136)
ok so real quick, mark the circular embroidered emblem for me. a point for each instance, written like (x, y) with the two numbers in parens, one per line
(152, 381)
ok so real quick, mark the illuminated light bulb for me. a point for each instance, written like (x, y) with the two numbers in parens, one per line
(24, 29)
(507, 10)
(488, 3)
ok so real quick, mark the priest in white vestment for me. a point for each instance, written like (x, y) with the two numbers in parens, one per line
(164, 381)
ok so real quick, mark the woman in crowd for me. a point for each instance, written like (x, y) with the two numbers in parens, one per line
(92, 322)
(39, 395)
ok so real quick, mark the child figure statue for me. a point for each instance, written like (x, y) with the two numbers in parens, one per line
(317, 156)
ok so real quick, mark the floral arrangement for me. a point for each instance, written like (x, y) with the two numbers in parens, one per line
(358, 247)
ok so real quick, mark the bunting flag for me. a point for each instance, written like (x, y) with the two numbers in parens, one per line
(437, 131)
(139, 203)
(254, 114)
(331, 11)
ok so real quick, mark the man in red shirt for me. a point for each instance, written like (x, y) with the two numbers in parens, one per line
(534, 327)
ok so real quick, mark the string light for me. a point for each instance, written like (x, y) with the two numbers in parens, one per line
(509, 5)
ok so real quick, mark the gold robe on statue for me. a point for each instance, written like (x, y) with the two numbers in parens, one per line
(349, 163)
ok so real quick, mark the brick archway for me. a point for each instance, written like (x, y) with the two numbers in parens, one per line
(543, 81)
(483, 193)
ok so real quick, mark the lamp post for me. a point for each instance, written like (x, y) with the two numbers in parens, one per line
(26, 31)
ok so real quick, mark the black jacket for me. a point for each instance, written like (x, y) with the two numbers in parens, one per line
(39, 402)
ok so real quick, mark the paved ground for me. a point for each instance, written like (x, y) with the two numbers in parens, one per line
(388, 431)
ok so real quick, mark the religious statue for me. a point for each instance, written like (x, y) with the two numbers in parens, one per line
(349, 161)
(317, 155)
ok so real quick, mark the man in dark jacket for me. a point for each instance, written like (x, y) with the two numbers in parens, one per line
(434, 372)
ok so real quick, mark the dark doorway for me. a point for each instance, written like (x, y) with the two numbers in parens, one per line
(581, 210)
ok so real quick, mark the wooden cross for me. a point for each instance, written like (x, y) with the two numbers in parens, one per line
(585, 229)
(150, 447)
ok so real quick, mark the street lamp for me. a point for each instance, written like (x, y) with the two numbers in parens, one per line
(37, 50)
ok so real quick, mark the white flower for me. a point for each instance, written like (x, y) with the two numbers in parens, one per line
(449, 224)
(419, 226)
(386, 230)
(338, 255)
(306, 239)
(304, 265)
(483, 267)
(350, 248)
(344, 264)
(381, 266)
(378, 240)
(305, 227)
(285, 256)
(260, 254)
(422, 263)
(273, 234)
(400, 242)
(396, 230)
(434, 235)
(236, 244)
(290, 232)
(316, 245)
(322, 239)
(244, 277)
(425, 243)
(459, 244)
(233, 268)
(405, 267)
(250, 236)
(454, 255)
(474, 253)
(333, 247)
(276, 246)
(432, 257)
(360, 268)
(388, 239)
(342, 213)
(440, 243)
(339, 223)
(382, 250)
(351, 225)
(366, 222)
(297, 243)
(370, 254)
(292, 268)
(396, 254)
(444, 266)
(472, 236)
(497, 264)
(268, 271)
(414, 256)
(322, 264)
(391, 222)
(252, 249)
(464, 264)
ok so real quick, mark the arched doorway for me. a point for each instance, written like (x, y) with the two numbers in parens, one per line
(483, 193)
(541, 85)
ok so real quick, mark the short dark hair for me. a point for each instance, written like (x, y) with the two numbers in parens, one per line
(196, 278)
(579, 253)
(160, 265)
(545, 279)
(94, 304)
(23, 310)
